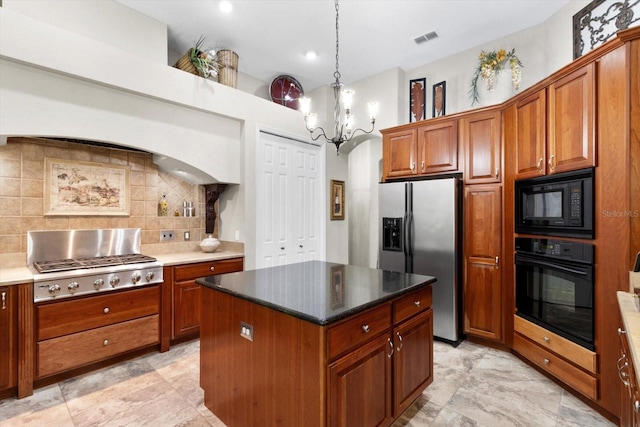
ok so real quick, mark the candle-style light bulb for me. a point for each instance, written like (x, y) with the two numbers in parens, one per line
(373, 110)
(305, 105)
(311, 119)
(347, 98)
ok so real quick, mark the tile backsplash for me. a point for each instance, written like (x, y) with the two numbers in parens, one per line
(22, 197)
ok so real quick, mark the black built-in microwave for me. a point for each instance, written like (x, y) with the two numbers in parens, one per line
(556, 205)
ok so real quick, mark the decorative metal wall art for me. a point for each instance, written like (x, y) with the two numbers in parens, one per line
(600, 20)
(439, 99)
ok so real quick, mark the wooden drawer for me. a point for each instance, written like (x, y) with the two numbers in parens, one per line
(564, 371)
(412, 304)
(565, 348)
(357, 331)
(68, 317)
(72, 351)
(203, 269)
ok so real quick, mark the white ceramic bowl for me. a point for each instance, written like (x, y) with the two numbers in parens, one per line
(209, 244)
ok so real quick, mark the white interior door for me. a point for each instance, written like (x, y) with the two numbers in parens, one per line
(288, 197)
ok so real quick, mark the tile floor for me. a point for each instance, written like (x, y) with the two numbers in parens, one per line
(473, 386)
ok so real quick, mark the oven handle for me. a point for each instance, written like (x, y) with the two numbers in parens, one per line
(523, 259)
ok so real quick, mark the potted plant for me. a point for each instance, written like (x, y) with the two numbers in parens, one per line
(199, 61)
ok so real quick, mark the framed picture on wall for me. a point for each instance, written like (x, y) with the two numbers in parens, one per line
(417, 95)
(439, 99)
(336, 201)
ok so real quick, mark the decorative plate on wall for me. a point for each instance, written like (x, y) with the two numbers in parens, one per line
(285, 90)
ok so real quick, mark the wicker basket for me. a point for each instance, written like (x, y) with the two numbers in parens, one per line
(184, 64)
(228, 71)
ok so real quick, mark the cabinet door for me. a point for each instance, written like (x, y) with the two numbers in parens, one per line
(481, 139)
(399, 154)
(482, 283)
(571, 121)
(186, 316)
(360, 386)
(8, 345)
(438, 147)
(413, 362)
(530, 135)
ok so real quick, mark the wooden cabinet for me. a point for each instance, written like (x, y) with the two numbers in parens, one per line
(570, 363)
(420, 150)
(482, 297)
(629, 392)
(364, 370)
(360, 386)
(554, 127)
(381, 377)
(103, 326)
(8, 340)
(186, 294)
(481, 139)
(399, 153)
(438, 147)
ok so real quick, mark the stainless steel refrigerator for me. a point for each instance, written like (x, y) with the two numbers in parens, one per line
(420, 224)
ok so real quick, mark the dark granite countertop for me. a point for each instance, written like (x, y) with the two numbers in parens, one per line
(316, 291)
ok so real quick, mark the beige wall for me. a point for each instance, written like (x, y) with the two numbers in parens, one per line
(22, 198)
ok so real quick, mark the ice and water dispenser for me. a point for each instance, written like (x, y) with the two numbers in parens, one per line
(392, 234)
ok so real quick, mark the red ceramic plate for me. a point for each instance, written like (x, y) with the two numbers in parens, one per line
(285, 90)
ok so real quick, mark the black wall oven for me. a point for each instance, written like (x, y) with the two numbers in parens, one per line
(556, 205)
(554, 287)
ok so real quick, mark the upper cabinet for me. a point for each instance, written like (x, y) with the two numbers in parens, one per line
(416, 150)
(481, 141)
(399, 153)
(554, 127)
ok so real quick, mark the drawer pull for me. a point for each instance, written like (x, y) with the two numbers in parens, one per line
(417, 303)
(390, 345)
(105, 342)
(4, 300)
(365, 328)
(547, 361)
(545, 339)
(399, 339)
(212, 268)
(540, 166)
(106, 310)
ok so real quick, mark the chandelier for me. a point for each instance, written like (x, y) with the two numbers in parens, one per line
(342, 125)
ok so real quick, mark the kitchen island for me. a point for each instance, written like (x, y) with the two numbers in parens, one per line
(315, 344)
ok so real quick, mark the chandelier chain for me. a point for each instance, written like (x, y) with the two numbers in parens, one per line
(337, 73)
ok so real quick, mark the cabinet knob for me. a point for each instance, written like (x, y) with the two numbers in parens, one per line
(4, 300)
(636, 406)
(105, 342)
(547, 361)
(621, 331)
(365, 328)
(545, 339)
(212, 268)
(106, 310)
(417, 303)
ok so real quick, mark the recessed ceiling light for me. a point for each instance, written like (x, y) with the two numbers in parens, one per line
(226, 6)
(310, 55)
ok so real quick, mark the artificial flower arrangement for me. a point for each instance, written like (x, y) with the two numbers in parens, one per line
(490, 63)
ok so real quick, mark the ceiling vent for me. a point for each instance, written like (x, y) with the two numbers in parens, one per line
(426, 37)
